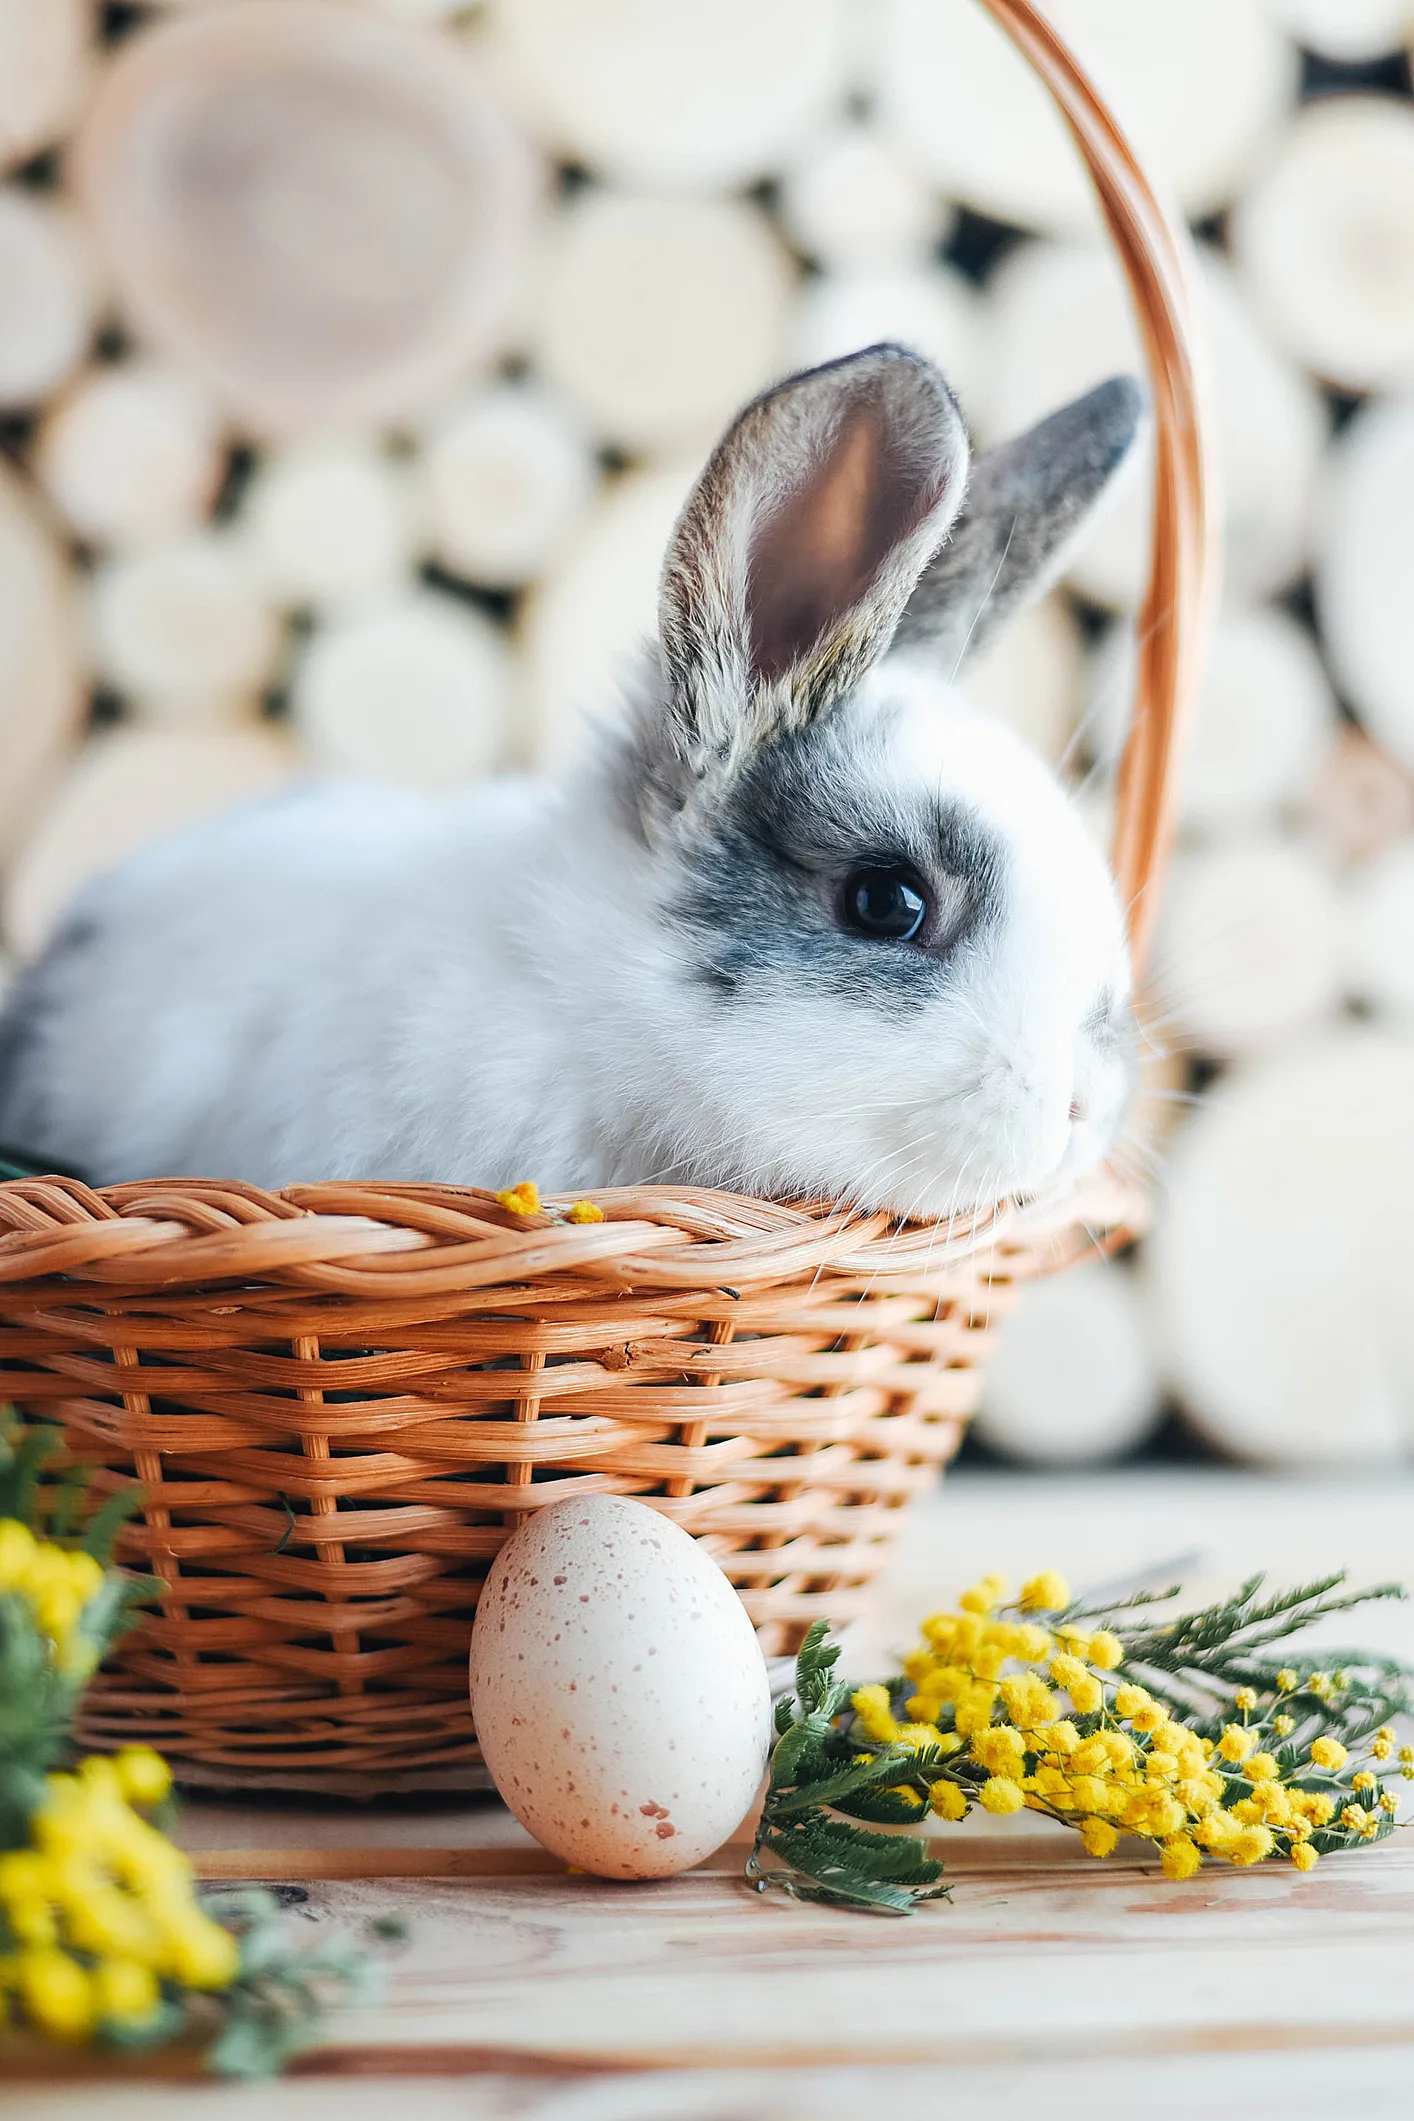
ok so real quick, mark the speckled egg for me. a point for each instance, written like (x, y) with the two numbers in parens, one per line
(619, 1692)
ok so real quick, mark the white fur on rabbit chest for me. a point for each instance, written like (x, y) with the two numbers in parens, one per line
(620, 1696)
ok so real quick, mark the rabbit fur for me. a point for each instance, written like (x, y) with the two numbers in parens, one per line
(642, 968)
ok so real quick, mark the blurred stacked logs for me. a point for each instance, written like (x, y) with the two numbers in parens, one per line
(357, 355)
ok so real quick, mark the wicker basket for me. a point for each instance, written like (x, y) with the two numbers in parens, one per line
(339, 1400)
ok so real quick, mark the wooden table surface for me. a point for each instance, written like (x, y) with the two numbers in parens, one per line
(1049, 1985)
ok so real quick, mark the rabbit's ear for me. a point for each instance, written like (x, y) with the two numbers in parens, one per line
(801, 545)
(1027, 503)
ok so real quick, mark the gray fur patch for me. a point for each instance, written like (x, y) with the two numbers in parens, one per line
(761, 900)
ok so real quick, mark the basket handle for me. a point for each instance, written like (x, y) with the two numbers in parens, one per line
(1156, 255)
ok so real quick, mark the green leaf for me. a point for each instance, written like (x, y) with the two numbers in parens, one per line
(798, 1749)
(809, 1874)
(103, 1526)
(253, 2047)
(1196, 1662)
(865, 1899)
(67, 1501)
(836, 1854)
(1078, 1610)
(804, 1849)
(21, 1465)
(277, 2001)
(887, 1766)
(895, 1805)
(814, 1666)
(855, 1850)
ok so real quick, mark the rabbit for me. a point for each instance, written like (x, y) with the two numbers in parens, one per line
(800, 923)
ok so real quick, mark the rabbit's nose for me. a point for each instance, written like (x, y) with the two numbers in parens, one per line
(1077, 1110)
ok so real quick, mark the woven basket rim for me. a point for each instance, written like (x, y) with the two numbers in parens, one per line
(417, 1239)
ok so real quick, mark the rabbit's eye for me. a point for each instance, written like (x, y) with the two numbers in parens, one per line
(887, 905)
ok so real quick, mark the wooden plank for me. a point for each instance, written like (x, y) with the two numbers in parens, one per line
(1042, 1961)
(338, 1863)
(1064, 1959)
(286, 1865)
(1304, 2086)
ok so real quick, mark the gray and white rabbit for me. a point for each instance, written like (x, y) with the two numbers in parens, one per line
(803, 924)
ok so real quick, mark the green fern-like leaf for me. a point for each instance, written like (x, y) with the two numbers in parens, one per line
(24, 1454)
(1196, 1663)
(897, 1804)
(803, 1847)
(57, 1504)
(827, 1788)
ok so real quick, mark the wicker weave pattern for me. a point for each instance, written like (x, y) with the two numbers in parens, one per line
(340, 1400)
